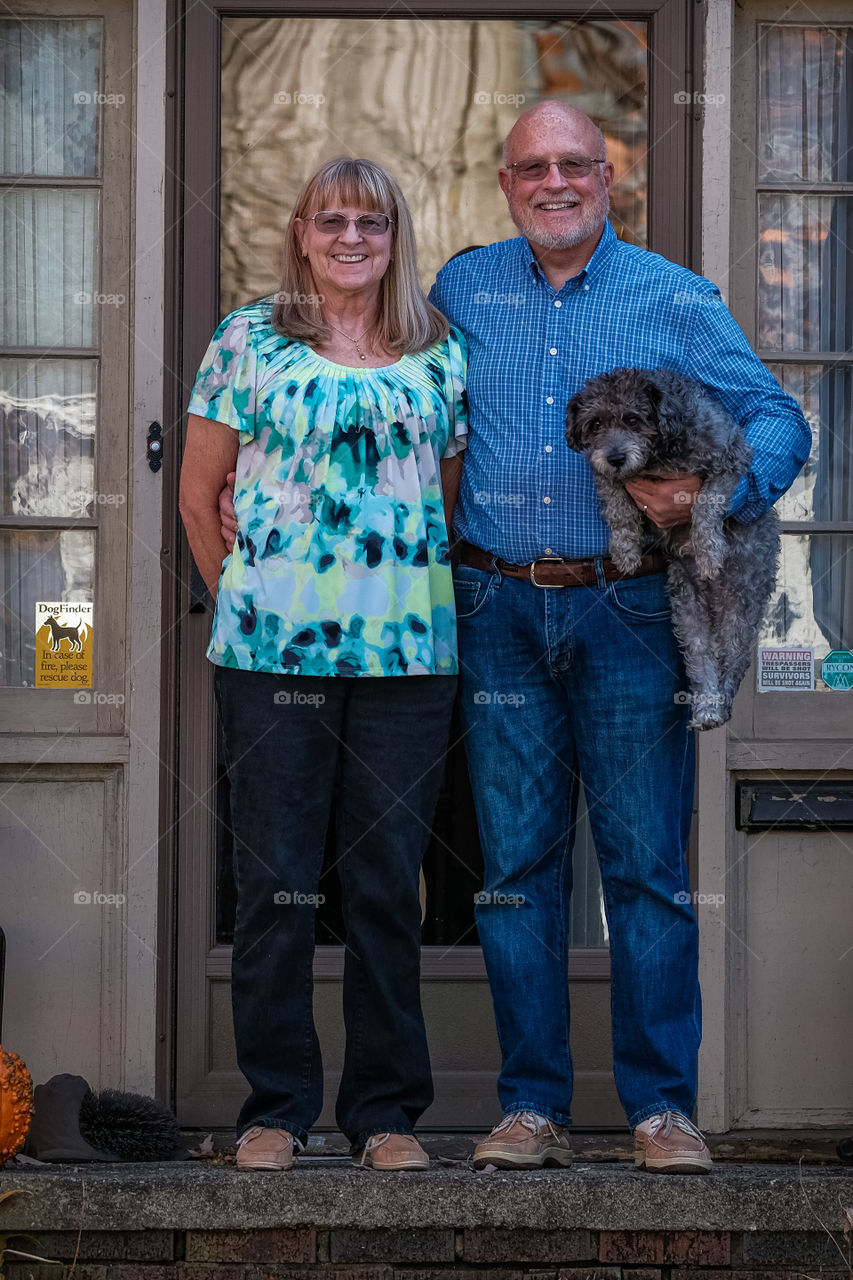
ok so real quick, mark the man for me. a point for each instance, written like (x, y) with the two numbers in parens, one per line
(570, 671)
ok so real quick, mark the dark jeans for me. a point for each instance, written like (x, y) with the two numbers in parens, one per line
(288, 741)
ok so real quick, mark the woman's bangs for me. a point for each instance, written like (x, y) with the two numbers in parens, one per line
(352, 187)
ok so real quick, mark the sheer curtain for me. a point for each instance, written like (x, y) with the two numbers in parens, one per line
(49, 107)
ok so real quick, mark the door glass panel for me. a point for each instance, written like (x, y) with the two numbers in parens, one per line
(432, 100)
(824, 488)
(49, 280)
(805, 273)
(805, 83)
(47, 429)
(38, 566)
(813, 602)
(49, 82)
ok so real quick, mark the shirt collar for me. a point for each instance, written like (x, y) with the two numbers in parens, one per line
(603, 250)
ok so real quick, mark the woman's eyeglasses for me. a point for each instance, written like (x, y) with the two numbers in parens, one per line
(534, 169)
(369, 224)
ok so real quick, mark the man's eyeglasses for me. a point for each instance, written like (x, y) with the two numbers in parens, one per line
(333, 224)
(534, 169)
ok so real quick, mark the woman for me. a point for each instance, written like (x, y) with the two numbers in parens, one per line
(334, 639)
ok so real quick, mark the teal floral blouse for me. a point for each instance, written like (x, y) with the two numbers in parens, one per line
(341, 565)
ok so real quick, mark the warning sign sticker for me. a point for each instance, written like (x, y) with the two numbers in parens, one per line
(64, 645)
(782, 669)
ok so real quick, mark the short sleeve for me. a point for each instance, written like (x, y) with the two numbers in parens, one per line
(224, 388)
(457, 397)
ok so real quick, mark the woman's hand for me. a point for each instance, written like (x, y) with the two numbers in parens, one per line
(210, 456)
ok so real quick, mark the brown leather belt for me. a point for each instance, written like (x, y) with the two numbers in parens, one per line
(555, 571)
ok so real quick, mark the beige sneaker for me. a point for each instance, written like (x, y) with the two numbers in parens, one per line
(524, 1140)
(670, 1143)
(261, 1148)
(393, 1151)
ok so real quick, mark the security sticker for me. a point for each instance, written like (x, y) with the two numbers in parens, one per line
(780, 669)
(64, 645)
(836, 670)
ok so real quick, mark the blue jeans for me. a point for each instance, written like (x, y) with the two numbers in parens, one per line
(557, 686)
(293, 744)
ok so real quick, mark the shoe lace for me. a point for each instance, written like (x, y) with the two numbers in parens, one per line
(530, 1119)
(256, 1131)
(668, 1120)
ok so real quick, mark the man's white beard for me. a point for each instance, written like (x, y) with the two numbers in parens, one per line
(591, 221)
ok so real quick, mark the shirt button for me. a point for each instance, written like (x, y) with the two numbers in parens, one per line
(586, 288)
(553, 351)
(549, 399)
(549, 448)
(558, 303)
(548, 551)
(546, 501)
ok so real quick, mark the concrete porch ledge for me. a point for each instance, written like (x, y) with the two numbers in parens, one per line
(328, 1194)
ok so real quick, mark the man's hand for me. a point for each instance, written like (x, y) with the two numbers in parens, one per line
(227, 519)
(668, 501)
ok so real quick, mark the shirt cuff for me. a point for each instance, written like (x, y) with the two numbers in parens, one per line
(455, 445)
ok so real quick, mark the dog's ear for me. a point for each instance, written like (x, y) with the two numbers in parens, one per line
(666, 405)
(574, 431)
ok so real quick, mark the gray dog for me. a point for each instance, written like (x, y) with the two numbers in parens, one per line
(635, 423)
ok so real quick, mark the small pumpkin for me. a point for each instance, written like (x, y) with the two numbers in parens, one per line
(16, 1104)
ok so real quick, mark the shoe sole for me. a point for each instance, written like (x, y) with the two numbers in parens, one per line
(268, 1164)
(553, 1157)
(399, 1167)
(685, 1165)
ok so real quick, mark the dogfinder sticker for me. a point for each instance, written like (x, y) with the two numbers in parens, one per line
(785, 669)
(63, 645)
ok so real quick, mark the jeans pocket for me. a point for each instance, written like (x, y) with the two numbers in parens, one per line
(472, 588)
(641, 599)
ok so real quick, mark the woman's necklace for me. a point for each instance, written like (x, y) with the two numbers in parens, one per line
(356, 341)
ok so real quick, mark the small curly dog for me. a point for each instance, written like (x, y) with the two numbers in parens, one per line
(633, 423)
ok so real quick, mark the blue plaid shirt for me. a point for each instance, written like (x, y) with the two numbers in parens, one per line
(523, 492)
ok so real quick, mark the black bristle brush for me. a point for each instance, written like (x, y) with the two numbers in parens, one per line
(134, 1127)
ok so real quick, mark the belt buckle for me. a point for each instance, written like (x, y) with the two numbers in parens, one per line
(544, 586)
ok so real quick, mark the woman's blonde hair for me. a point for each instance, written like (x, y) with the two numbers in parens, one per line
(407, 322)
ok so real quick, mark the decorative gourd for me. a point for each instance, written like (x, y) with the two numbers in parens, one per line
(16, 1104)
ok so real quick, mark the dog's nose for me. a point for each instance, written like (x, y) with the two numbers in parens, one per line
(616, 457)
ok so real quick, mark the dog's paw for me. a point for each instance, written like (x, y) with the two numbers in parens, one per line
(710, 710)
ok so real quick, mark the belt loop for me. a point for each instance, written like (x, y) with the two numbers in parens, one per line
(495, 570)
(599, 573)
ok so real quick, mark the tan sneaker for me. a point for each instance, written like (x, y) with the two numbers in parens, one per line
(670, 1143)
(392, 1151)
(261, 1148)
(524, 1140)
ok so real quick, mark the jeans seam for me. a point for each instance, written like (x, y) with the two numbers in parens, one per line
(653, 1109)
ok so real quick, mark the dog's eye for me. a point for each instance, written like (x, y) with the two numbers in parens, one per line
(630, 419)
(594, 422)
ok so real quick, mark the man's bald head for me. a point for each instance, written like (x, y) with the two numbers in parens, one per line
(535, 125)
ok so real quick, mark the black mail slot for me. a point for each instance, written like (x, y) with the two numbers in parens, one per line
(794, 805)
